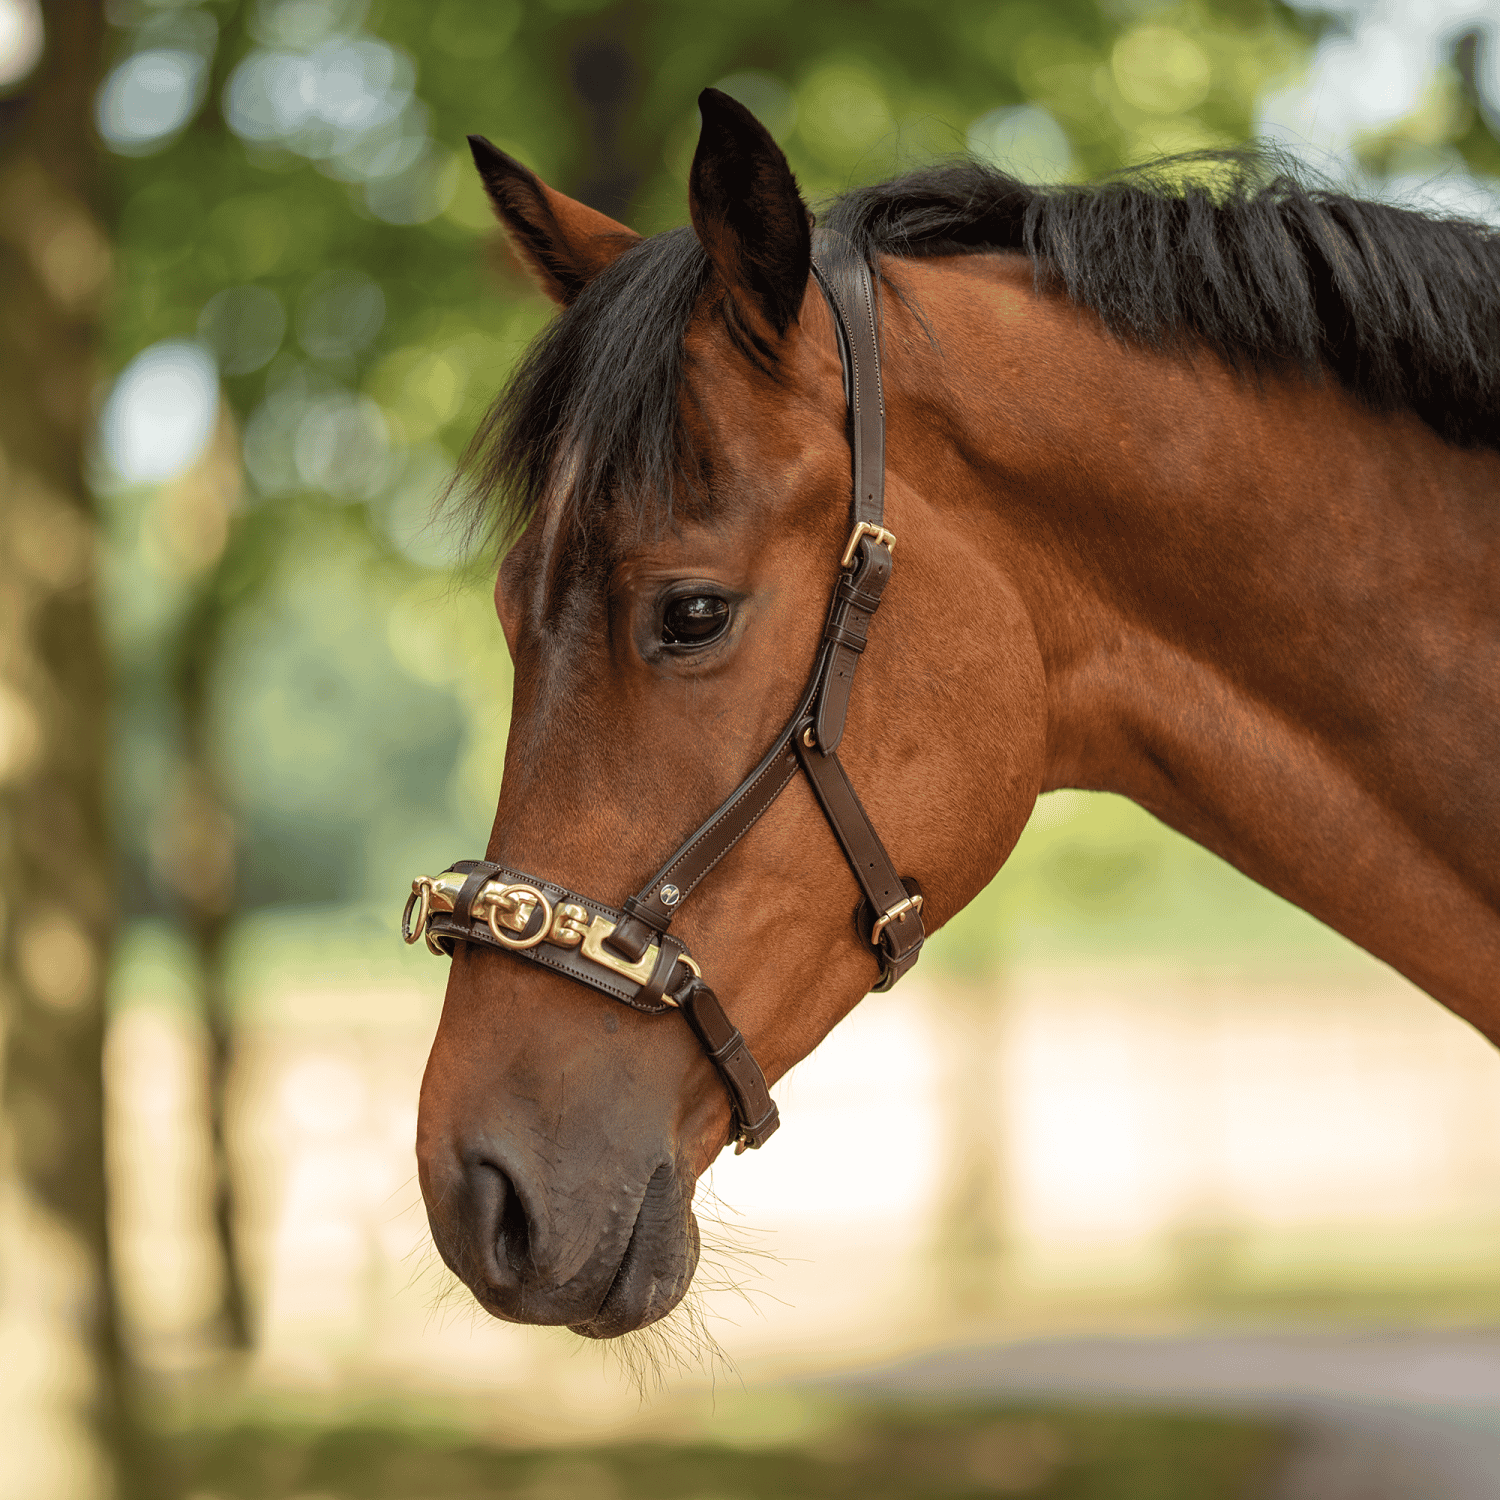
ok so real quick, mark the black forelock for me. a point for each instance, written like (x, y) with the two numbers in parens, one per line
(594, 408)
(1228, 250)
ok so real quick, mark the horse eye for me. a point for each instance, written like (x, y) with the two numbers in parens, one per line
(695, 620)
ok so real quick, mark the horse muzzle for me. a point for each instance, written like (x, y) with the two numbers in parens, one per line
(602, 1268)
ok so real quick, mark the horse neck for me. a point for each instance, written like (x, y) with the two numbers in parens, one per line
(1265, 613)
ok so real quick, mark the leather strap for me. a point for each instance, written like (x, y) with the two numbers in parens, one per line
(855, 601)
(447, 927)
(901, 938)
(754, 1108)
(850, 293)
(656, 903)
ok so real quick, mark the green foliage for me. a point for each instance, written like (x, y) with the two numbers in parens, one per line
(1094, 876)
(889, 1453)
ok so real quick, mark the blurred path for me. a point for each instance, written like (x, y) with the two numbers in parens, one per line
(1376, 1416)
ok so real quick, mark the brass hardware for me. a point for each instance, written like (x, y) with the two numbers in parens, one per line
(442, 890)
(510, 906)
(692, 964)
(896, 914)
(593, 947)
(809, 738)
(421, 891)
(569, 923)
(864, 529)
(427, 896)
(515, 905)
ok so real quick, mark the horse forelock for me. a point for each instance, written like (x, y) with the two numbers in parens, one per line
(590, 423)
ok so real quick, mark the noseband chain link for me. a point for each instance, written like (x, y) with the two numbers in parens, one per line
(628, 954)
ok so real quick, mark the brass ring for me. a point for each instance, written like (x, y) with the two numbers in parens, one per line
(516, 944)
(421, 889)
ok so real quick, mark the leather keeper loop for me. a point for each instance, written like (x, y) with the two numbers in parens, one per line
(666, 964)
(480, 875)
(630, 939)
(633, 906)
(841, 636)
(849, 592)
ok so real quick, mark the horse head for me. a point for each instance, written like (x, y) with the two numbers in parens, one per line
(678, 442)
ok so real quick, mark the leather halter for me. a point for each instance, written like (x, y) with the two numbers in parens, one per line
(628, 954)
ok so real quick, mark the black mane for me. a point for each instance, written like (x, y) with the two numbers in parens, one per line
(1402, 308)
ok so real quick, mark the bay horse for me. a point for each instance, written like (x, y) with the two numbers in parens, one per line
(1198, 501)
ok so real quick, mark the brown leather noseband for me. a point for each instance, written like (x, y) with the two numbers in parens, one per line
(628, 954)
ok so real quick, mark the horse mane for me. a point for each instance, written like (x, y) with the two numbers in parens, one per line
(1228, 249)
(1402, 308)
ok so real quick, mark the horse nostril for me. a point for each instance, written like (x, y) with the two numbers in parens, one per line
(513, 1236)
(506, 1218)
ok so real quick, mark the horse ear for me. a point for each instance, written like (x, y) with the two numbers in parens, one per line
(565, 243)
(748, 213)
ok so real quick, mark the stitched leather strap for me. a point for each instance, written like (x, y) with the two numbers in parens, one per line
(855, 601)
(901, 938)
(447, 926)
(712, 839)
(850, 292)
(753, 1106)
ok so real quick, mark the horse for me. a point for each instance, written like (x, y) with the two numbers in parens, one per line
(1195, 479)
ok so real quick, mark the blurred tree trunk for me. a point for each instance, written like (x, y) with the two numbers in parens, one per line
(202, 840)
(64, 1392)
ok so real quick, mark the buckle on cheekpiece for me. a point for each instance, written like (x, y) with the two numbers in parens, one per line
(897, 913)
(861, 530)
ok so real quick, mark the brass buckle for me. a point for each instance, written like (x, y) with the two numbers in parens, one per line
(897, 913)
(862, 530)
(641, 970)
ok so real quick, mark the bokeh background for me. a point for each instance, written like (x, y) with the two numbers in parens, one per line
(1180, 1195)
